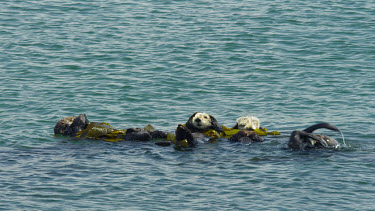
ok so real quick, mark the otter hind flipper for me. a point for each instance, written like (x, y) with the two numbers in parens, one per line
(321, 126)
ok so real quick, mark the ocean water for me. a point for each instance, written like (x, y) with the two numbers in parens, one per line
(132, 63)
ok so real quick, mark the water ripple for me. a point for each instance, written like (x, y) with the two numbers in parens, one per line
(290, 63)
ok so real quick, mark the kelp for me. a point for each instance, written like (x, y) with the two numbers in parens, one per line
(214, 135)
(115, 136)
(95, 130)
(228, 132)
(149, 128)
(264, 132)
(106, 132)
(183, 143)
(171, 137)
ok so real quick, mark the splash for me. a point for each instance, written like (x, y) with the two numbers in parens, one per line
(343, 140)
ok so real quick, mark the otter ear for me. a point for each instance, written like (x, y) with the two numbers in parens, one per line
(215, 125)
(189, 123)
(191, 117)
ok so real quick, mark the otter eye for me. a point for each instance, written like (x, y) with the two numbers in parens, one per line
(206, 117)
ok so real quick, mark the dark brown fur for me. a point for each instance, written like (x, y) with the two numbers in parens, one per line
(183, 133)
(306, 139)
(69, 126)
(245, 136)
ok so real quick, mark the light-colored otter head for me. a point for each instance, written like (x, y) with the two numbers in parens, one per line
(248, 123)
(201, 121)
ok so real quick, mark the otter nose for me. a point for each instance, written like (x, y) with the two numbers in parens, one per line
(198, 120)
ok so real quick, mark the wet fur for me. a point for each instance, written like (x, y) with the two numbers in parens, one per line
(245, 136)
(183, 133)
(247, 123)
(305, 139)
(69, 126)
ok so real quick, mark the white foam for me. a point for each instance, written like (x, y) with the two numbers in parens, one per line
(343, 140)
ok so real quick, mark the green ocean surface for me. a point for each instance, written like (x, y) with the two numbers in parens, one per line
(132, 63)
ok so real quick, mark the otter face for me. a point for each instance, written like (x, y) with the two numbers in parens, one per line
(248, 123)
(201, 121)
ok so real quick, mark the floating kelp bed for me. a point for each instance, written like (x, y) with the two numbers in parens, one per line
(104, 131)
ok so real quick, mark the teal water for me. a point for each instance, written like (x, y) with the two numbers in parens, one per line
(133, 63)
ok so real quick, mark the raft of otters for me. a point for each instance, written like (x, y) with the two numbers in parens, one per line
(200, 126)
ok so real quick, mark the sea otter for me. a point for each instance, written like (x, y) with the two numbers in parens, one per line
(305, 139)
(140, 134)
(69, 126)
(247, 125)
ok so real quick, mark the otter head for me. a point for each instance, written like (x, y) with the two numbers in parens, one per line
(247, 123)
(69, 126)
(201, 122)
